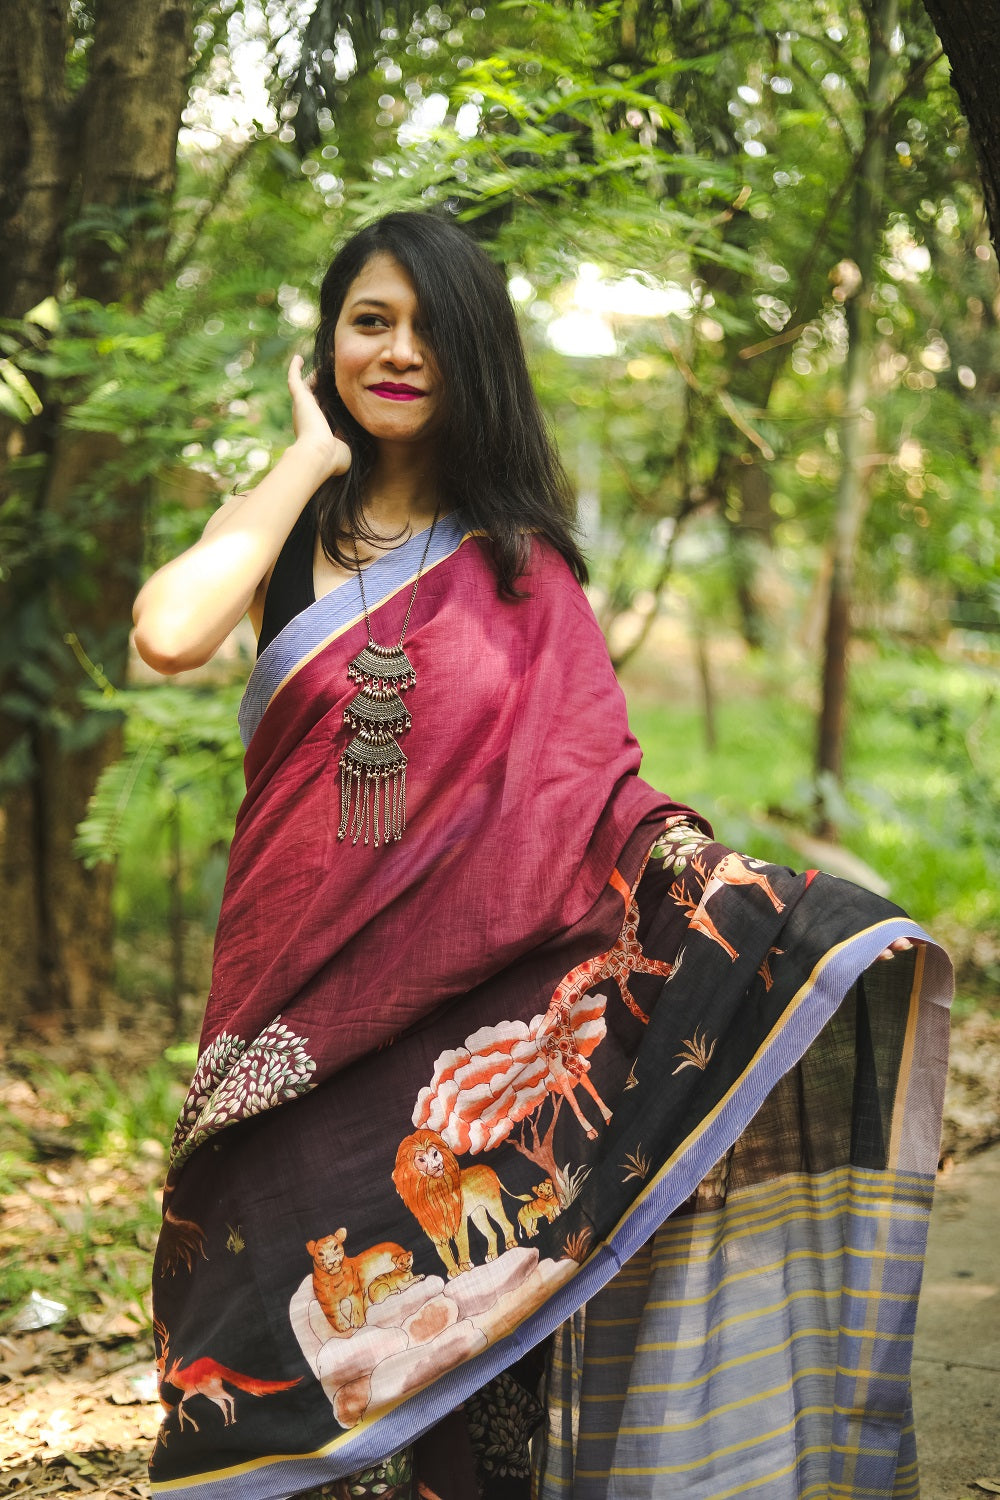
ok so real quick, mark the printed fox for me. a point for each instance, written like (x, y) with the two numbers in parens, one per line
(204, 1377)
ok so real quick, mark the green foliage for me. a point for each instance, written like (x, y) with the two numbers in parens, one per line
(182, 746)
(110, 1115)
(699, 151)
(920, 800)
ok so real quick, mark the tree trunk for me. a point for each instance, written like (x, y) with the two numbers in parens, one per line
(106, 158)
(970, 34)
(856, 420)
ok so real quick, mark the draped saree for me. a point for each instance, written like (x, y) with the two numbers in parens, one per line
(557, 1060)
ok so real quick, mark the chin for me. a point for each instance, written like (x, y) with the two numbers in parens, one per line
(398, 425)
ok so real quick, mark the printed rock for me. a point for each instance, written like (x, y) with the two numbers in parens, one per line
(420, 1332)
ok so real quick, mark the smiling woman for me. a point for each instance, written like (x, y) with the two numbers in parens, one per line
(379, 339)
(497, 1031)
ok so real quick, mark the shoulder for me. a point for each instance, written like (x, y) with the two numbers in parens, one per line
(547, 581)
(549, 574)
(228, 507)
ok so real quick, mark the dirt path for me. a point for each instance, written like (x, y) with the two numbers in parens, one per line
(75, 1417)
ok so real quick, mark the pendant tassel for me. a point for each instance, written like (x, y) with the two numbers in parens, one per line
(372, 791)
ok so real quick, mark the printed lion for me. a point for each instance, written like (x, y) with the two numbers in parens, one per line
(443, 1197)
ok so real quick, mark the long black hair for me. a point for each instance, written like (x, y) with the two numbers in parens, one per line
(497, 463)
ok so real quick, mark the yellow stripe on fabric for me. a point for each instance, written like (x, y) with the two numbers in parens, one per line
(804, 1187)
(697, 1237)
(407, 583)
(747, 1485)
(905, 1074)
(828, 1489)
(711, 1413)
(745, 1446)
(732, 1279)
(624, 1470)
(854, 1492)
(760, 1215)
(735, 1277)
(704, 1254)
(841, 1330)
(737, 1319)
(672, 1387)
(861, 1387)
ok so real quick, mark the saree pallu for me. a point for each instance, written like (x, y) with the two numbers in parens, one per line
(557, 1060)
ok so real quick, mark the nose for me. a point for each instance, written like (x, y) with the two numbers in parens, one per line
(402, 349)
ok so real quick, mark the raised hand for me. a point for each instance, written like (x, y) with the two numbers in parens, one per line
(310, 425)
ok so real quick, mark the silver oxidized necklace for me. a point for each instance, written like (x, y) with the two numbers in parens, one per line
(373, 767)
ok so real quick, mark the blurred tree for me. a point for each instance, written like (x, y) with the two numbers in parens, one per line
(856, 427)
(90, 104)
(970, 32)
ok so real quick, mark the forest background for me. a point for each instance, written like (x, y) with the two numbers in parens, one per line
(754, 269)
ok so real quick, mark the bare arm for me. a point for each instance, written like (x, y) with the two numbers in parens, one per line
(187, 608)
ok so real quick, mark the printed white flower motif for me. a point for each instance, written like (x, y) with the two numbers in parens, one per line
(236, 1079)
(678, 842)
(213, 1065)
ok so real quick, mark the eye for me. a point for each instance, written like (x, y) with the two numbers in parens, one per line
(369, 320)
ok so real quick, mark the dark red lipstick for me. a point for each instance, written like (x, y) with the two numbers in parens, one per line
(391, 391)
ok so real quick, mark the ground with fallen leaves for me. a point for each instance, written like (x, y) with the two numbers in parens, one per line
(78, 1410)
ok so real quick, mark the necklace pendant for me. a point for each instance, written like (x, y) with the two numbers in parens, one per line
(377, 711)
(383, 667)
(372, 787)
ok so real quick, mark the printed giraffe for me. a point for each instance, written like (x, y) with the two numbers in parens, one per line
(732, 869)
(558, 1043)
(618, 963)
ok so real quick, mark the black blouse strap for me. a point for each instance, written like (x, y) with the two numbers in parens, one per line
(290, 588)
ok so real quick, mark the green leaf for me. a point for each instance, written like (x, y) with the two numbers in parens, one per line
(45, 314)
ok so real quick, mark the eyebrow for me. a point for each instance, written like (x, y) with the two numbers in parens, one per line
(368, 302)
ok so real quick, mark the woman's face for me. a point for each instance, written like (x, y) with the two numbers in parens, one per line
(386, 375)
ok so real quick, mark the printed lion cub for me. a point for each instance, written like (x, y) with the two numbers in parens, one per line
(544, 1205)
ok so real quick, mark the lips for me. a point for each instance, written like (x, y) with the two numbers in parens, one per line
(390, 391)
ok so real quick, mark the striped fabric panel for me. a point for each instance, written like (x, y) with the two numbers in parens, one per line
(762, 1348)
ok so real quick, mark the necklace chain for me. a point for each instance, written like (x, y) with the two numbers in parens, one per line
(413, 593)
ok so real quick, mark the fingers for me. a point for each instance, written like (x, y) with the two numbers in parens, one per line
(309, 421)
(297, 382)
(898, 945)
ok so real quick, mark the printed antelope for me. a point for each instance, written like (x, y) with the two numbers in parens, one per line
(732, 869)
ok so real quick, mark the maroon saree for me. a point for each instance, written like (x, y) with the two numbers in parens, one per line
(449, 1087)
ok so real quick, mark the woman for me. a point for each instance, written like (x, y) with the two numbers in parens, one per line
(496, 1030)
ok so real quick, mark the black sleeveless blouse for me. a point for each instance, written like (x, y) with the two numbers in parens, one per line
(290, 588)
